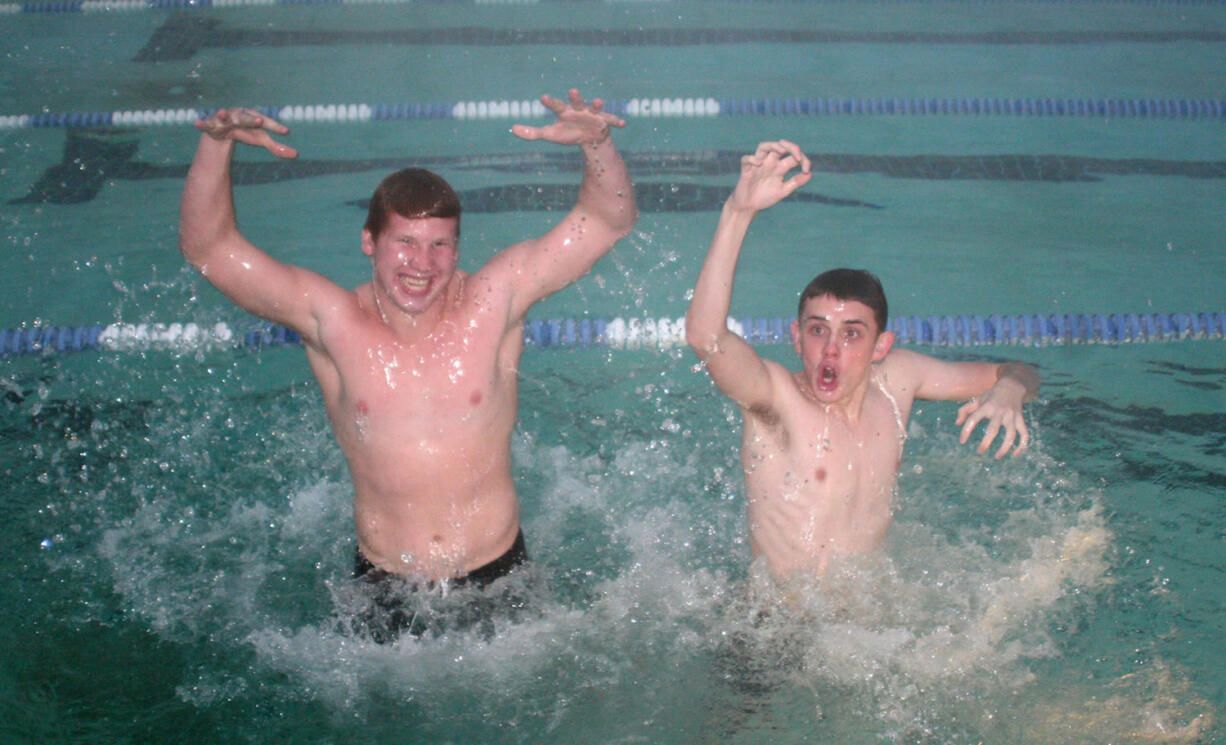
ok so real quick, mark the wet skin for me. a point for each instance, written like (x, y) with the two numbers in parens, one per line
(418, 367)
(821, 446)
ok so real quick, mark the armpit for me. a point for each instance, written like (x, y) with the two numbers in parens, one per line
(764, 413)
(768, 422)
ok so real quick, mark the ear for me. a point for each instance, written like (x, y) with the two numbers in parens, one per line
(368, 243)
(796, 335)
(881, 347)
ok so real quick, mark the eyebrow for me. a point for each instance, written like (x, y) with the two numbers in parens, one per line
(848, 322)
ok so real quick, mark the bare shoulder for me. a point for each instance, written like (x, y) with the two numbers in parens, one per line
(340, 310)
(931, 378)
(492, 284)
(905, 364)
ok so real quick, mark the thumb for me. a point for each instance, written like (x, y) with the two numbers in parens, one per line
(524, 132)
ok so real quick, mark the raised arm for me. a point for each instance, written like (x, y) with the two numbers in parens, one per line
(735, 367)
(603, 214)
(210, 239)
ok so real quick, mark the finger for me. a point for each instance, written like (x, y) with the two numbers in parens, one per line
(273, 125)
(261, 139)
(553, 104)
(524, 132)
(766, 148)
(972, 421)
(596, 105)
(796, 182)
(794, 150)
(610, 119)
(988, 435)
(576, 101)
(1023, 440)
(965, 410)
(281, 150)
(1007, 442)
(215, 122)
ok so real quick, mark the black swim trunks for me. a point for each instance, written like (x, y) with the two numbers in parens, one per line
(397, 605)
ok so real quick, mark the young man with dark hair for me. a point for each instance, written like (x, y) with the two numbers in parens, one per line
(418, 366)
(821, 446)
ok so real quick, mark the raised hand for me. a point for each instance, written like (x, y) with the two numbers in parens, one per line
(578, 122)
(763, 183)
(247, 126)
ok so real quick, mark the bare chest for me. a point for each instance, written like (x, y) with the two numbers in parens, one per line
(810, 454)
(385, 391)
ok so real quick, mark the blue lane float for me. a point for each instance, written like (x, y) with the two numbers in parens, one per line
(646, 108)
(654, 333)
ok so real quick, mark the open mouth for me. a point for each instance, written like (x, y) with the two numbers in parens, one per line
(828, 378)
(413, 285)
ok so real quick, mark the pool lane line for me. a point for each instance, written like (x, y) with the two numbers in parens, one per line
(93, 160)
(182, 35)
(650, 108)
(654, 333)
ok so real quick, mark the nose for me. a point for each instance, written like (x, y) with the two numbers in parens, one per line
(415, 256)
(831, 347)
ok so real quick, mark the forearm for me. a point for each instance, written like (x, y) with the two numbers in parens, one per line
(206, 215)
(1023, 375)
(707, 319)
(606, 192)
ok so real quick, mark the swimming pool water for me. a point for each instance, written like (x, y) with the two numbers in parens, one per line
(178, 529)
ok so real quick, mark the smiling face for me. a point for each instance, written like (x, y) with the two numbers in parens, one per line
(838, 340)
(413, 260)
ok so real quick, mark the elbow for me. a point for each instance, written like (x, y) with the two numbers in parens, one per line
(631, 217)
(193, 251)
(703, 339)
(622, 219)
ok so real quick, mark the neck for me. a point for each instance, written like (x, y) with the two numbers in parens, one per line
(847, 408)
(408, 327)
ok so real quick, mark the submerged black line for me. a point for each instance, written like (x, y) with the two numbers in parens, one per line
(93, 158)
(184, 34)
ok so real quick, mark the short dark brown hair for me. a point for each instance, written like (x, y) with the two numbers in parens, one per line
(849, 284)
(413, 193)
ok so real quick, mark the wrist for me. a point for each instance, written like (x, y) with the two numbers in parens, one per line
(1021, 377)
(736, 210)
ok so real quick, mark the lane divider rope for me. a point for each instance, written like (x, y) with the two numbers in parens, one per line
(654, 333)
(647, 108)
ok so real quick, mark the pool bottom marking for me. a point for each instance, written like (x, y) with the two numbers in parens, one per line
(183, 34)
(94, 157)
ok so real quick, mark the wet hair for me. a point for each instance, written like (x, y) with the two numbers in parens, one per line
(413, 193)
(849, 284)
